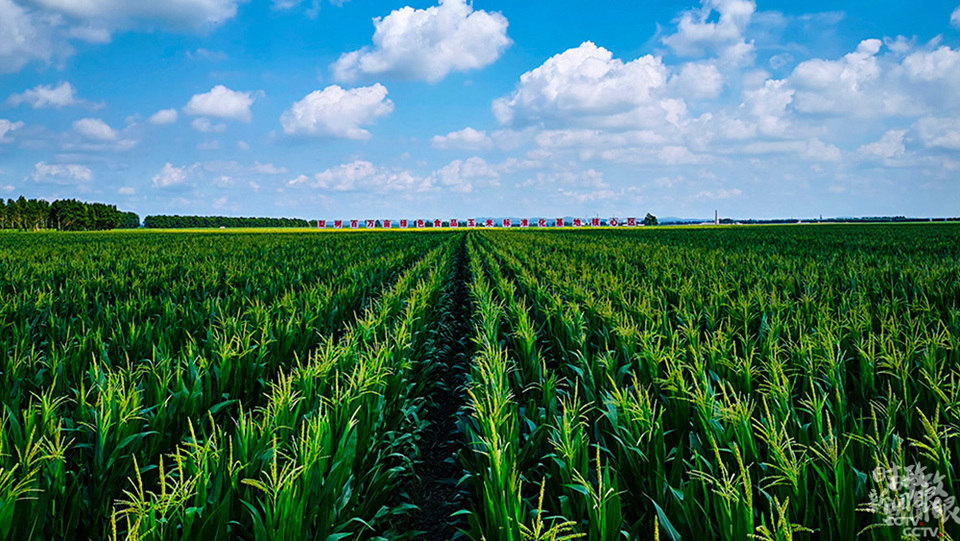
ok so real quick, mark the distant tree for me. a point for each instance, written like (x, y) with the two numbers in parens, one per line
(129, 220)
(649, 219)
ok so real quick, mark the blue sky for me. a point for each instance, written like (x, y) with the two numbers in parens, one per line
(359, 109)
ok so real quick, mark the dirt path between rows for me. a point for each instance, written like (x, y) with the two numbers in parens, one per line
(435, 491)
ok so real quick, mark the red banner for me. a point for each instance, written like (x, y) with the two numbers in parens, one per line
(541, 223)
(437, 223)
(577, 222)
(506, 222)
(471, 222)
(488, 223)
(386, 224)
(612, 222)
(595, 222)
(321, 224)
(337, 224)
(524, 222)
(632, 222)
(354, 224)
(420, 223)
(403, 224)
(558, 223)
(453, 222)
(371, 224)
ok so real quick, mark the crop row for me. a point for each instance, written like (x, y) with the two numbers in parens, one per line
(651, 385)
(131, 368)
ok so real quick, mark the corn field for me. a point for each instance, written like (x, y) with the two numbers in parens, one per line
(769, 383)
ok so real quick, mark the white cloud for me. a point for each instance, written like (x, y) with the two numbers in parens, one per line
(889, 146)
(170, 176)
(127, 190)
(94, 128)
(427, 44)
(697, 34)
(768, 106)
(209, 145)
(939, 132)
(587, 84)
(61, 173)
(464, 175)
(940, 64)
(8, 188)
(844, 86)
(221, 102)
(25, 37)
(467, 139)
(955, 18)
(46, 96)
(197, 14)
(268, 169)
(698, 80)
(203, 125)
(811, 150)
(337, 112)
(164, 116)
(817, 150)
(362, 175)
(6, 127)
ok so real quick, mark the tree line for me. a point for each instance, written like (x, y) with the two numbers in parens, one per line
(185, 222)
(63, 215)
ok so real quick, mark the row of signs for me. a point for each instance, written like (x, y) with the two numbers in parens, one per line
(542, 222)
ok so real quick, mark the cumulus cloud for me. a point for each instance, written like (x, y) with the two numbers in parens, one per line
(221, 102)
(361, 175)
(467, 139)
(938, 132)
(60, 173)
(848, 85)
(94, 128)
(941, 64)
(24, 38)
(337, 112)
(588, 84)
(46, 96)
(698, 80)
(889, 146)
(427, 44)
(698, 34)
(7, 126)
(464, 175)
(170, 176)
(768, 106)
(955, 18)
(164, 116)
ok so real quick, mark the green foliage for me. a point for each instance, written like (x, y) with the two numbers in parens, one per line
(200, 222)
(63, 214)
(716, 383)
(713, 384)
